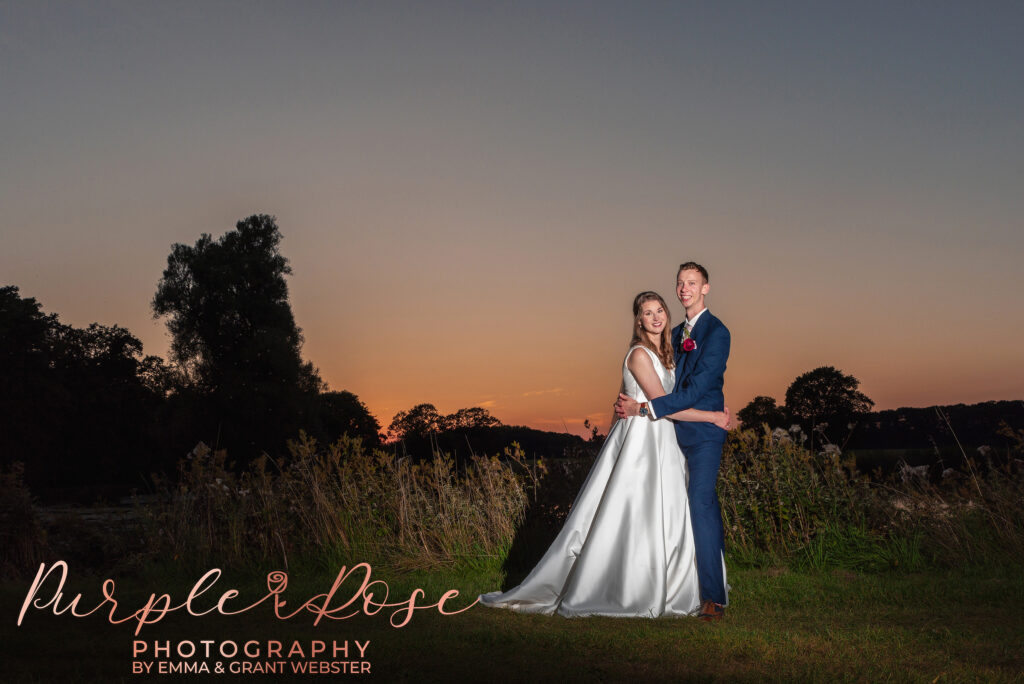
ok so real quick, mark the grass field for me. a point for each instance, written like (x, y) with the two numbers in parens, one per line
(938, 626)
(834, 577)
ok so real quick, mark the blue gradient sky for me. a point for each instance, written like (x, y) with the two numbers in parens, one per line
(472, 193)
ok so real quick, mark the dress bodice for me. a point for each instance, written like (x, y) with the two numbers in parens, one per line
(632, 388)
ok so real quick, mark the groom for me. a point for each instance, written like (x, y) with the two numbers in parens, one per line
(701, 347)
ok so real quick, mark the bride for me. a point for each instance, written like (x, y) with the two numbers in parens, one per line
(626, 549)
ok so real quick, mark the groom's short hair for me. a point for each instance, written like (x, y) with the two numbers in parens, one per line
(693, 266)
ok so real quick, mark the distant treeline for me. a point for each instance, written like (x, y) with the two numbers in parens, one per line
(462, 443)
(827, 408)
(973, 425)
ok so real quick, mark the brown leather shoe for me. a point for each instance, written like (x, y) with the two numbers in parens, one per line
(711, 611)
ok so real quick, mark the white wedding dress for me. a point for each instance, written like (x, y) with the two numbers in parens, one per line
(626, 549)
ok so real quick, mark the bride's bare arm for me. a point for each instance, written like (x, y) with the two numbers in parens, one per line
(642, 368)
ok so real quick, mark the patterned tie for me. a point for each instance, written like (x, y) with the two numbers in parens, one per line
(683, 346)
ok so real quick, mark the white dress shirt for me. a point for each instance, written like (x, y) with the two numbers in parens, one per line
(690, 322)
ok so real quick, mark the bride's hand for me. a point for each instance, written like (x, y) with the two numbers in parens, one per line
(626, 407)
(724, 419)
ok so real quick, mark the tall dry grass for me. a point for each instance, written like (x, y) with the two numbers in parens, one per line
(781, 502)
(342, 502)
(784, 502)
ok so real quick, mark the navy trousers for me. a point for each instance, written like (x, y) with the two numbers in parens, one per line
(702, 460)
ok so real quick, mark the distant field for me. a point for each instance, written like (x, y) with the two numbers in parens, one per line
(888, 459)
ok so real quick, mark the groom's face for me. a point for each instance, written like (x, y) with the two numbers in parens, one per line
(691, 288)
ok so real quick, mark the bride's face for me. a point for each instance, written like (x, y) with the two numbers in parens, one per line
(653, 317)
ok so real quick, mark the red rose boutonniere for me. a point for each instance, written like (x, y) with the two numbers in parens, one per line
(687, 345)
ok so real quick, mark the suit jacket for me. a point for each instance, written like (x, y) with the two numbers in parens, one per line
(699, 379)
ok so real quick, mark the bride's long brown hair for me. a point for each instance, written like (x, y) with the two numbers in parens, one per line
(664, 351)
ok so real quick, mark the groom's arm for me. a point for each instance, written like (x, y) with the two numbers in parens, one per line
(709, 371)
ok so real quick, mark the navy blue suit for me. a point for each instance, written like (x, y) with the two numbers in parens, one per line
(699, 381)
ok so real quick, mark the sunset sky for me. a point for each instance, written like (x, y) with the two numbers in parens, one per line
(472, 193)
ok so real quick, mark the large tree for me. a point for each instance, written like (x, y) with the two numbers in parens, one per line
(228, 309)
(826, 395)
(234, 334)
(826, 391)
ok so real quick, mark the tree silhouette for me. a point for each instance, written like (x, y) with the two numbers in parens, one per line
(342, 413)
(234, 336)
(826, 394)
(825, 391)
(424, 419)
(760, 411)
(469, 418)
(419, 421)
(31, 391)
(75, 404)
(228, 309)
